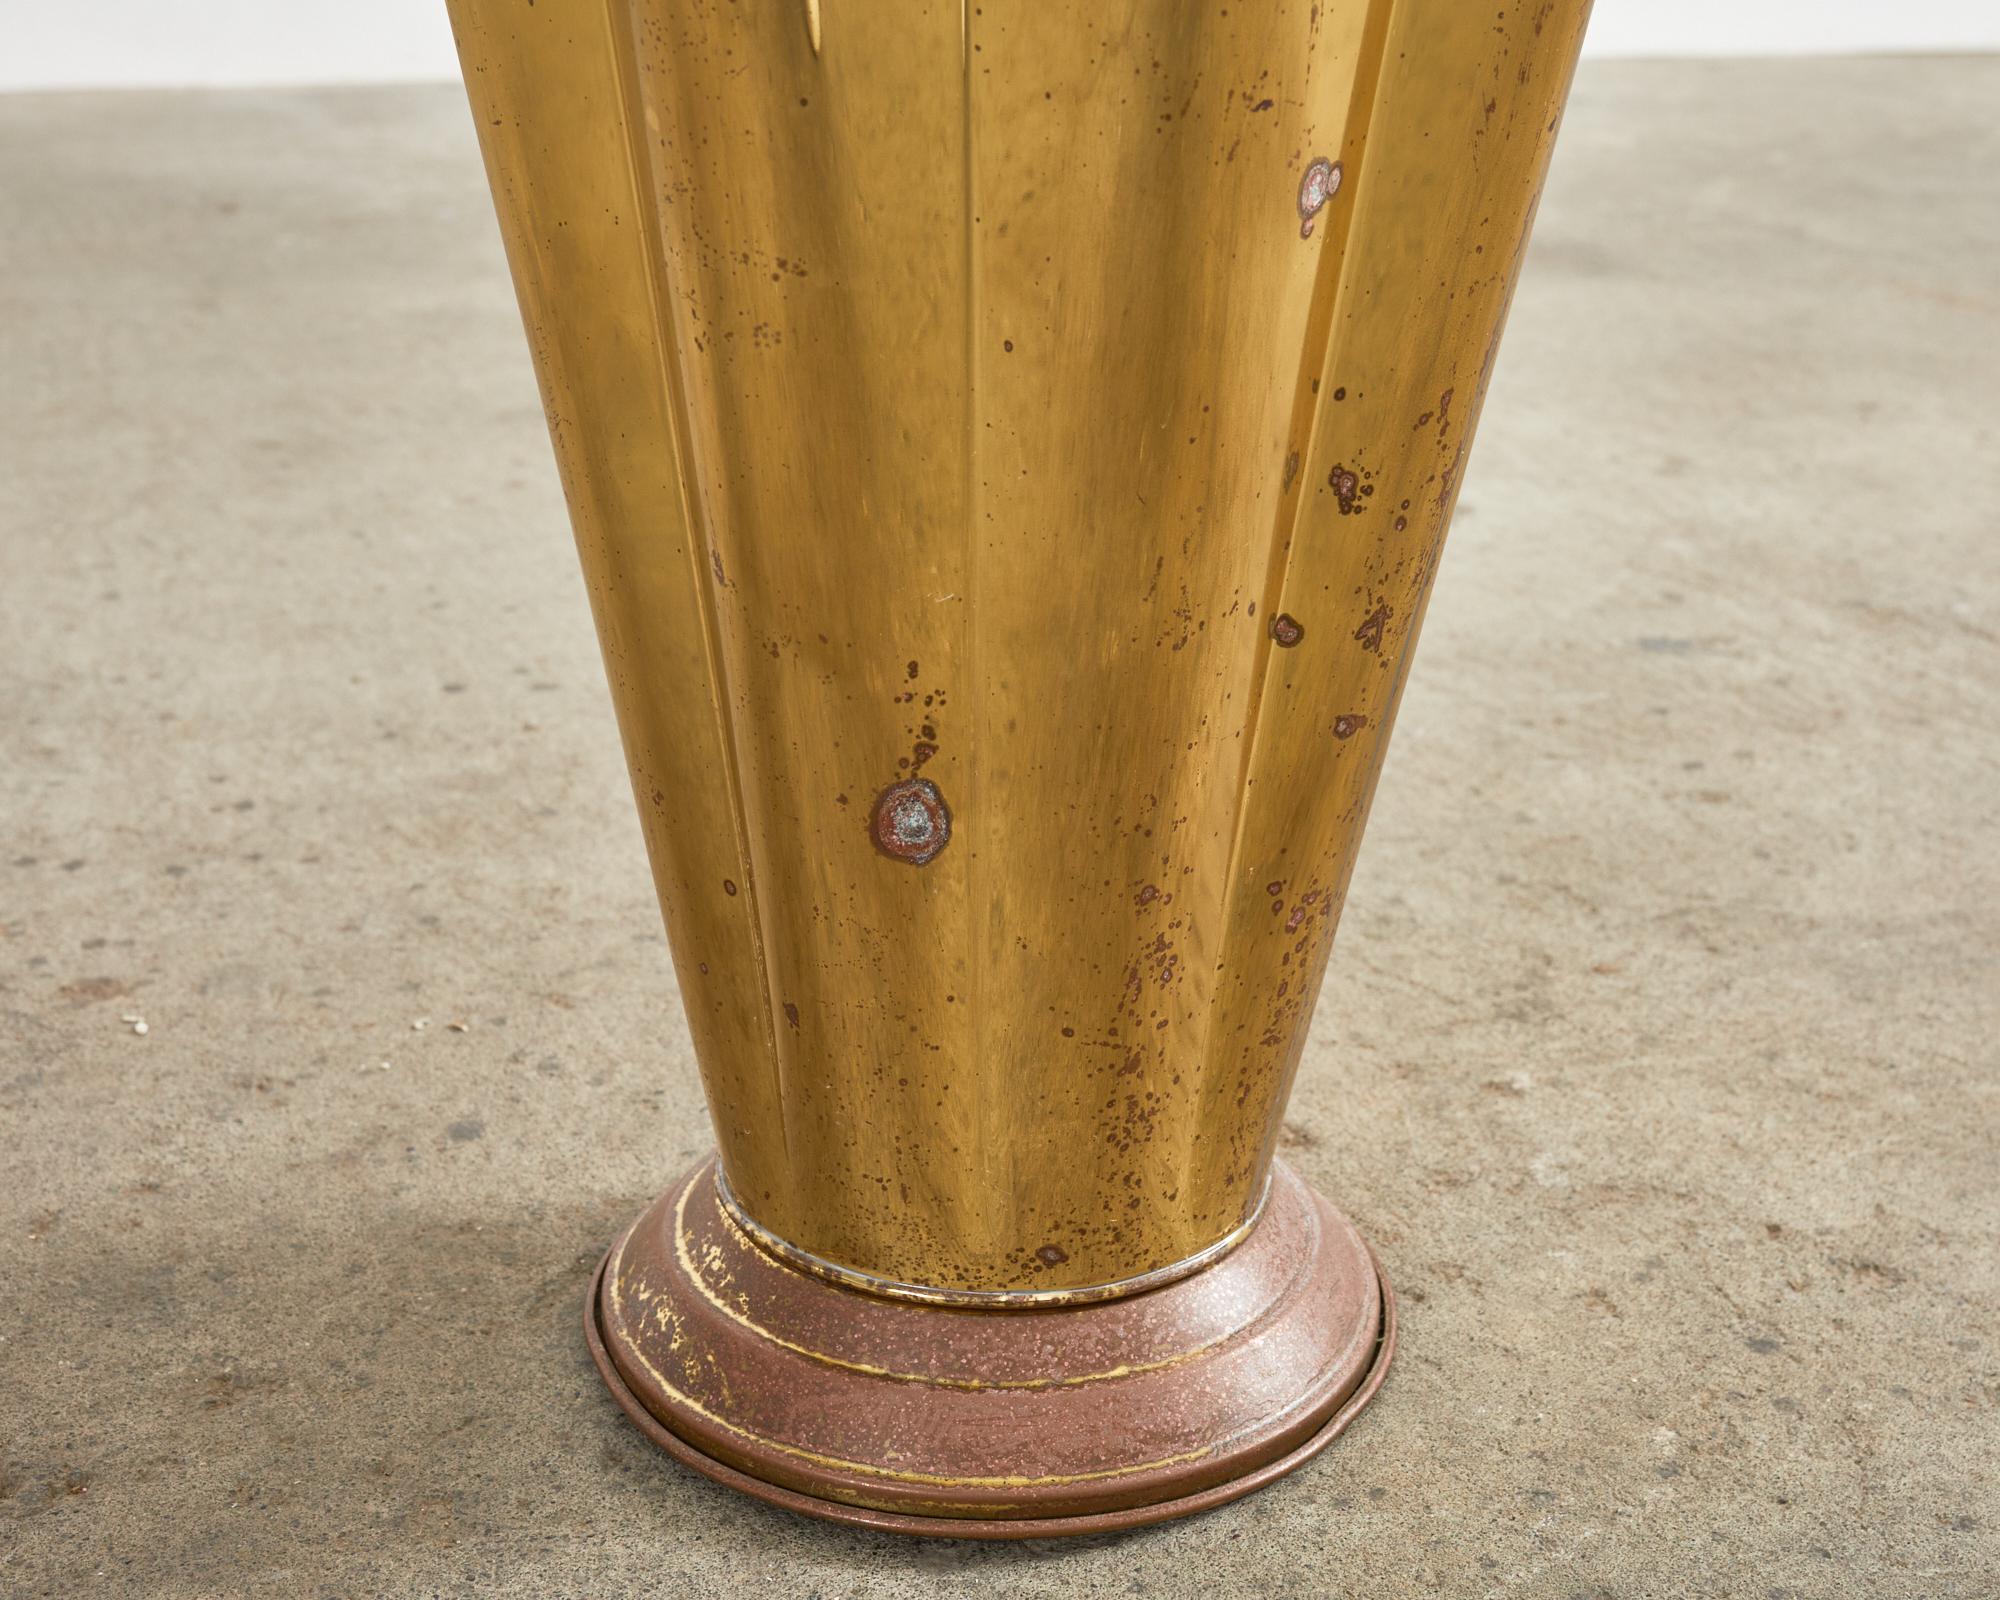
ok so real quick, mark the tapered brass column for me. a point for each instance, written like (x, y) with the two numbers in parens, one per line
(1009, 448)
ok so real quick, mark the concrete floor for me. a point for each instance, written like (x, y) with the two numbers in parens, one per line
(1662, 1029)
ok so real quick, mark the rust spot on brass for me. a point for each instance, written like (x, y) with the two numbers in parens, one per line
(1345, 486)
(1369, 634)
(1347, 727)
(728, 886)
(1052, 1255)
(1286, 630)
(1319, 185)
(911, 821)
(792, 1015)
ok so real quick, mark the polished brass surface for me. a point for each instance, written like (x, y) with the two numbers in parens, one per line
(1009, 448)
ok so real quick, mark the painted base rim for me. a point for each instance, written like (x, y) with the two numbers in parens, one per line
(1217, 1494)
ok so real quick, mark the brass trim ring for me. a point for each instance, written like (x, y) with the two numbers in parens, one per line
(793, 1255)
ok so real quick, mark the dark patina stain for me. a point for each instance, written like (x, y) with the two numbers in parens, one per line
(1287, 630)
(911, 821)
(1345, 486)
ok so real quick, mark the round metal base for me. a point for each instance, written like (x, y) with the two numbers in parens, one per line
(990, 1424)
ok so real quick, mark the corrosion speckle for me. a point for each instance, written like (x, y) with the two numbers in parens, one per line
(1345, 485)
(1052, 1255)
(1369, 634)
(1320, 184)
(1287, 630)
(1347, 727)
(911, 821)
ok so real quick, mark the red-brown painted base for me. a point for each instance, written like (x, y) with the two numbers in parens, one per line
(1008, 1424)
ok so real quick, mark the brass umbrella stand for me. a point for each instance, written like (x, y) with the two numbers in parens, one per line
(1009, 448)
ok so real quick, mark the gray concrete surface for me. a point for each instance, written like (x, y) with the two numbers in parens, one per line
(1662, 1028)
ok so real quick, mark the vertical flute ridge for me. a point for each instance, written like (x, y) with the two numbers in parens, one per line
(554, 135)
(703, 561)
(993, 1144)
(1412, 345)
(1336, 219)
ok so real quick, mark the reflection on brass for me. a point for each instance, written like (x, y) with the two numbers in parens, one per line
(1009, 448)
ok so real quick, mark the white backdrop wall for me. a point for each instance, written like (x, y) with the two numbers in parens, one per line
(173, 43)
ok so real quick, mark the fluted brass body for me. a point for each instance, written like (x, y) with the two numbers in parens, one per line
(1009, 448)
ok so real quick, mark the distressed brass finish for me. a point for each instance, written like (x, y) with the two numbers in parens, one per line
(1129, 1409)
(1009, 448)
